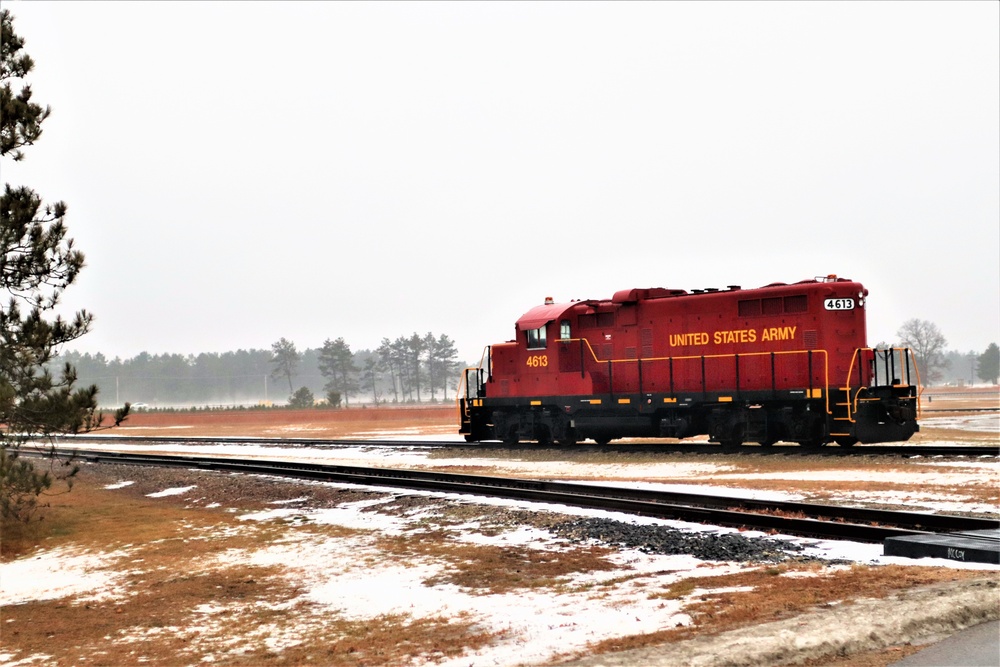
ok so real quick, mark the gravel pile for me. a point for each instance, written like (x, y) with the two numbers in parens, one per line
(670, 541)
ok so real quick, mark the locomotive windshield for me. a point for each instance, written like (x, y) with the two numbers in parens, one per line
(536, 338)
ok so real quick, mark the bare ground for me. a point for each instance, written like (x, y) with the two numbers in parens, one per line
(862, 616)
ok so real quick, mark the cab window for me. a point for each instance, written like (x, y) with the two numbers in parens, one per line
(564, 332)
(536, 338)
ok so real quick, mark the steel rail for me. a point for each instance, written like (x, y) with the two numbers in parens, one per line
(704, 508)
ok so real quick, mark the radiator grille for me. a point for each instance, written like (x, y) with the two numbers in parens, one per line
(647, 343)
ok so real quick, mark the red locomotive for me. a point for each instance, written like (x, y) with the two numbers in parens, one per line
(785, 362)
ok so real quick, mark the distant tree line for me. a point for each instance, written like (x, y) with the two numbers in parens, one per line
(969, 367)
(937, 365)
(409, 369)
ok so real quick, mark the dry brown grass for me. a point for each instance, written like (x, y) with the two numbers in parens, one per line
(494, 570)
(156, 628)
(960, 398)
(314, 423)
(932, 434)
(172, 568)
(173, 548)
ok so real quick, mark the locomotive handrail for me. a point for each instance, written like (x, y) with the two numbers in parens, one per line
(581, 340)
(736, 356)
(852, 403)
(460, 403)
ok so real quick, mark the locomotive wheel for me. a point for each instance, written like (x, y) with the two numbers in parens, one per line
(479, 434)
(845, 441)
(772, 433)
(511, 438)
(568, 439)
(602, 440)
(733, 438)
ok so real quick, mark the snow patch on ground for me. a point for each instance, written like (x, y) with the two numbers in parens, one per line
(180, 490)
(63, 572)
(979, 472)
(349, 577)
(988, 422)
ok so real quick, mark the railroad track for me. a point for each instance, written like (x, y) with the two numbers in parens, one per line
(646, 447)
(792, 518)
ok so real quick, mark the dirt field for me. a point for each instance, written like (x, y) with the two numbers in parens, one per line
(960, 398)
(279, 422)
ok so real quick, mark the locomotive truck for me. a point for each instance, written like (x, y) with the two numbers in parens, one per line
(783, 362)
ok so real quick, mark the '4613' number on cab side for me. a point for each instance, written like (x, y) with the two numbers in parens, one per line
(538, 361)
(839, 304)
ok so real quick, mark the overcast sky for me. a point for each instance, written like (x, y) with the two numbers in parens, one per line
(237, 172)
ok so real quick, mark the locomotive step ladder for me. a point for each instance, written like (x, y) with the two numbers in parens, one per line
(842, 412)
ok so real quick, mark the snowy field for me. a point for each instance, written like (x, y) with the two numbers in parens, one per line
(346, 577)
(339, 577)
